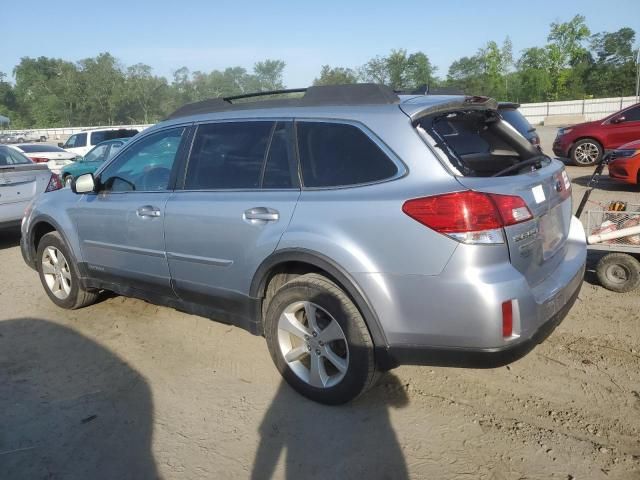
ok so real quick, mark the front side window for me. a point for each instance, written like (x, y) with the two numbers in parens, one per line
(336, 154)
(228, 155)
(146, 165)
(77, 140)
(632, 115)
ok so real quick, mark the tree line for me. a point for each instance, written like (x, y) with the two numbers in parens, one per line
(574, 63)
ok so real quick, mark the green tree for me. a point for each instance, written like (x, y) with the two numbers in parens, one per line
(614, 71)
(104, 91)
(420, 71)
(335, 76)
(268, 75)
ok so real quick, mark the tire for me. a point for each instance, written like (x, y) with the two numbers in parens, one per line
(20, 140)
(586, 152)
(60, 277)
(618, 272)
(67, 180)
(43, 139)
(348, 343)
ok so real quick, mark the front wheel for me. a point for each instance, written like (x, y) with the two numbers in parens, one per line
(59, 275)
(319, 341)
(618, 272)
(586, 152)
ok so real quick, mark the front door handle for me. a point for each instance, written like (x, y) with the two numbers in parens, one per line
(261, 215)
(148, 211)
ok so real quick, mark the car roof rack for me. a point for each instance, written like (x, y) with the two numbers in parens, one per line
(319, 95)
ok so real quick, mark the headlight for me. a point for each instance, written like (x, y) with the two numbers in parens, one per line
(626, 153)
(564, 131)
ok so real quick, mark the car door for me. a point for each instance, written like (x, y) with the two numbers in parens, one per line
(627, 129)
(121, 226)
(240, 190)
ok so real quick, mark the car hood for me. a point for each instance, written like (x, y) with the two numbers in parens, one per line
(630, 146)
(586, 124)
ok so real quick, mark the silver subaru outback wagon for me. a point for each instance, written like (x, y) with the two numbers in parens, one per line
(356, 229)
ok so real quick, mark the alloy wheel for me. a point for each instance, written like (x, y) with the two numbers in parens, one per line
(313, 344)
(56, 272)
(586, 153)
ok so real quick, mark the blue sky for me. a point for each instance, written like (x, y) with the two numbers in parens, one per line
(206, 35)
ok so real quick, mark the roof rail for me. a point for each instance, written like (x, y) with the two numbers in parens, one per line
(350, 94)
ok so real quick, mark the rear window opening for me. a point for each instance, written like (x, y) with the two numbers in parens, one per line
(478, 143)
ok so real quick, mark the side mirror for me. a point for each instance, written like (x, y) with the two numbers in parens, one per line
(60, 144)
(619, 119)
(84, 184)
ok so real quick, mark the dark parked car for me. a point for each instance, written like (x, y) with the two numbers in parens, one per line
(585, 143)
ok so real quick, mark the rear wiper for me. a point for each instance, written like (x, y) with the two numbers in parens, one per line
(537, 161)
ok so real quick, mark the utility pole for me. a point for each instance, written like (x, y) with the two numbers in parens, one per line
(638, 76)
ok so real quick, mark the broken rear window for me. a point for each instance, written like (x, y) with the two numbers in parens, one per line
(478, 142)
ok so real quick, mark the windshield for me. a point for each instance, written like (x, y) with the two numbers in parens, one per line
(43, 148)
(517, 120)
(10, 156)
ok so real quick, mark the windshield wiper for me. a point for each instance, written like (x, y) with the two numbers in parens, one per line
(537, 161)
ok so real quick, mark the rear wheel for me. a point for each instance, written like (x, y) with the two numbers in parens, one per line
(319, 341)
(59, 275)
(618, 272)
(586, 152)
(67, 180)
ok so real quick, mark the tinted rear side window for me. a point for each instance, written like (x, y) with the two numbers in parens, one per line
(228, 156)
(335, 154)
(101, 136)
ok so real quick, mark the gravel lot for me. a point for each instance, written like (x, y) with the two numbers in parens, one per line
(125, 389)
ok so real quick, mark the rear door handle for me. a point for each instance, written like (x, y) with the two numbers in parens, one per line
(260, 215)
(148, 211)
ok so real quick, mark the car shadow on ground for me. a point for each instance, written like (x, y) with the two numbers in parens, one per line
(606, 183)
(317, 441)
(9, 238)
(69, 408)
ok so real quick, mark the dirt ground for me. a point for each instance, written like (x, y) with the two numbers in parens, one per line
(124, 389)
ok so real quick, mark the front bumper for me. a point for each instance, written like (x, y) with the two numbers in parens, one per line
(561, 147)
(623, 171)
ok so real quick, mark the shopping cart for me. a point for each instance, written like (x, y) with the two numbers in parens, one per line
(613, 227)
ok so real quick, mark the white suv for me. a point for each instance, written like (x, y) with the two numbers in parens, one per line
(81, 143)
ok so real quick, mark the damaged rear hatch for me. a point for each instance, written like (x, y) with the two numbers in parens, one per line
(488, 155)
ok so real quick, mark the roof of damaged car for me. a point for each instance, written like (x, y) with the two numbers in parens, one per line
(324, 100)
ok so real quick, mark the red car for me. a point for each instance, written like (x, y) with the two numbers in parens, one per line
(585, 143)
(625, 165)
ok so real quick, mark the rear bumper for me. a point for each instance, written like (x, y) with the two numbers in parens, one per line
(476, 358)
(456, 317)
(13, 212)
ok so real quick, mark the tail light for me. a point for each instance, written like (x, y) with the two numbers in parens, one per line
(469, 217)
(39, 159)
(54, 183)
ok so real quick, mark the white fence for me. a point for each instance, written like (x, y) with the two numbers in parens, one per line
(63, 133)
(591, 109)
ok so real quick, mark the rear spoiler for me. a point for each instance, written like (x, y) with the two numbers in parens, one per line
(417, 112)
